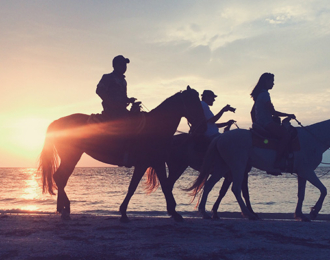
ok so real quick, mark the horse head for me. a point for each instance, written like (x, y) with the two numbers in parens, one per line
(193, 111)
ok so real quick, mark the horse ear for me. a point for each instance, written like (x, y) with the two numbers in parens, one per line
(188, 87)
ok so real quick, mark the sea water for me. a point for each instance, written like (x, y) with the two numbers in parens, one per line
(100, 191)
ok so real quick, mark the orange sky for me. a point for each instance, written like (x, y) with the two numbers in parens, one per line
(53, 53)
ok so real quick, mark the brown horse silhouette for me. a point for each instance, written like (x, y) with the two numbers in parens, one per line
(69, 137)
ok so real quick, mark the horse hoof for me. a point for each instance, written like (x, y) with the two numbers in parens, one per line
(124, 219)
(177, 217)
(65, 216)
(215, 217)
(302, 218)
(204, 214)
(253, 218)
(313, 214)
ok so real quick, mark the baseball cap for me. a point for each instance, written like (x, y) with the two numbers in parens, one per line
(208, 93)
(119, 58)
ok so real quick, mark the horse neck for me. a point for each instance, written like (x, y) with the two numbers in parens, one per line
(166, 117)
(321, 133)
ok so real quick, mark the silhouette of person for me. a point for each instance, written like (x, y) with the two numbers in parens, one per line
(263, 111)
(112, 89)
(208, 97)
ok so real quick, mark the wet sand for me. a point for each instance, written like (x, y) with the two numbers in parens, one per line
(277, 236)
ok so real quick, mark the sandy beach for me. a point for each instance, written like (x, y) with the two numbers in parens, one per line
(277, 236)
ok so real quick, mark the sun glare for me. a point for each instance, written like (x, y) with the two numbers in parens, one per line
(28, 134)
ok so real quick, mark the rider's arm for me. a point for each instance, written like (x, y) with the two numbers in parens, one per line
(271, 108)
(217, 116)
(229, 123)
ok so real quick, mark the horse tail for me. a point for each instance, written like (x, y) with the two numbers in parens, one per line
(207, 166)
(152, 182)
(48, 163)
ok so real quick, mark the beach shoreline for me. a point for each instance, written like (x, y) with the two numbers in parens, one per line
(47, 236)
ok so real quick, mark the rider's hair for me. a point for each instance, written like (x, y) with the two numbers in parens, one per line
(261, 84)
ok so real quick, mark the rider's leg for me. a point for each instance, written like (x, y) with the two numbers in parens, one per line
(284, 136)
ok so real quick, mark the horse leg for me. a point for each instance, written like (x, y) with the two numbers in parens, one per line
(313, 179)
(174, 173)
(224, 188)
(167, 187)
(298, 215)
(238, 176)
(245, 191)
(61, 177)
(215, 177)
(137, 176)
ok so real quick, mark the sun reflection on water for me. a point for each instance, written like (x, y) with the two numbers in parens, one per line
(31, 189)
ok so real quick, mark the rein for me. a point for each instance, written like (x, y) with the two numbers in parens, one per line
(320, 141)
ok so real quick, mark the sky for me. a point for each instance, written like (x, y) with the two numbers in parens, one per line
(53, 54)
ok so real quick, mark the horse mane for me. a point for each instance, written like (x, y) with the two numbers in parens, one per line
(164, 104)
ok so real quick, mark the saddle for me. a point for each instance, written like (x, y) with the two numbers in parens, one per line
(127, 128)
(135, 122)
(265, 140)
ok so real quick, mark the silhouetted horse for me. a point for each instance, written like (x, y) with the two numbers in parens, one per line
(232, 151)
(189, 151)
(71, 136)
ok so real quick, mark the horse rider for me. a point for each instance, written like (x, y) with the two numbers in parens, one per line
(208, 97)
(263, 113)
(112, 89)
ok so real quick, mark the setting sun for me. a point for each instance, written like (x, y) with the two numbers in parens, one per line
(29, 133)
(23, 137)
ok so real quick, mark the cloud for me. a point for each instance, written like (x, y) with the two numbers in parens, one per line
(54, 53)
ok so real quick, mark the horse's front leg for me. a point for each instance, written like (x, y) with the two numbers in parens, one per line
(137, 176)
(167, 190)
(313, 179)
(174, 173)
(298, 215)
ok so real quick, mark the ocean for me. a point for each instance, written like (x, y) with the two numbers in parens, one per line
(100, 191)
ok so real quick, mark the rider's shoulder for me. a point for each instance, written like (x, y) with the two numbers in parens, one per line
(263, 95)
(108, 77)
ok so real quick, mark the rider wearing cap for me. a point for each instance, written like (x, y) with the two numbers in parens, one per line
(112, 89)
(208, 97)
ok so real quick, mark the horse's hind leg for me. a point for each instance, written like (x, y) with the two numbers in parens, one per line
(215, 177)
(224, 188)
(61, 177)
(137, 176)
(238, 177)
(245, 190)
